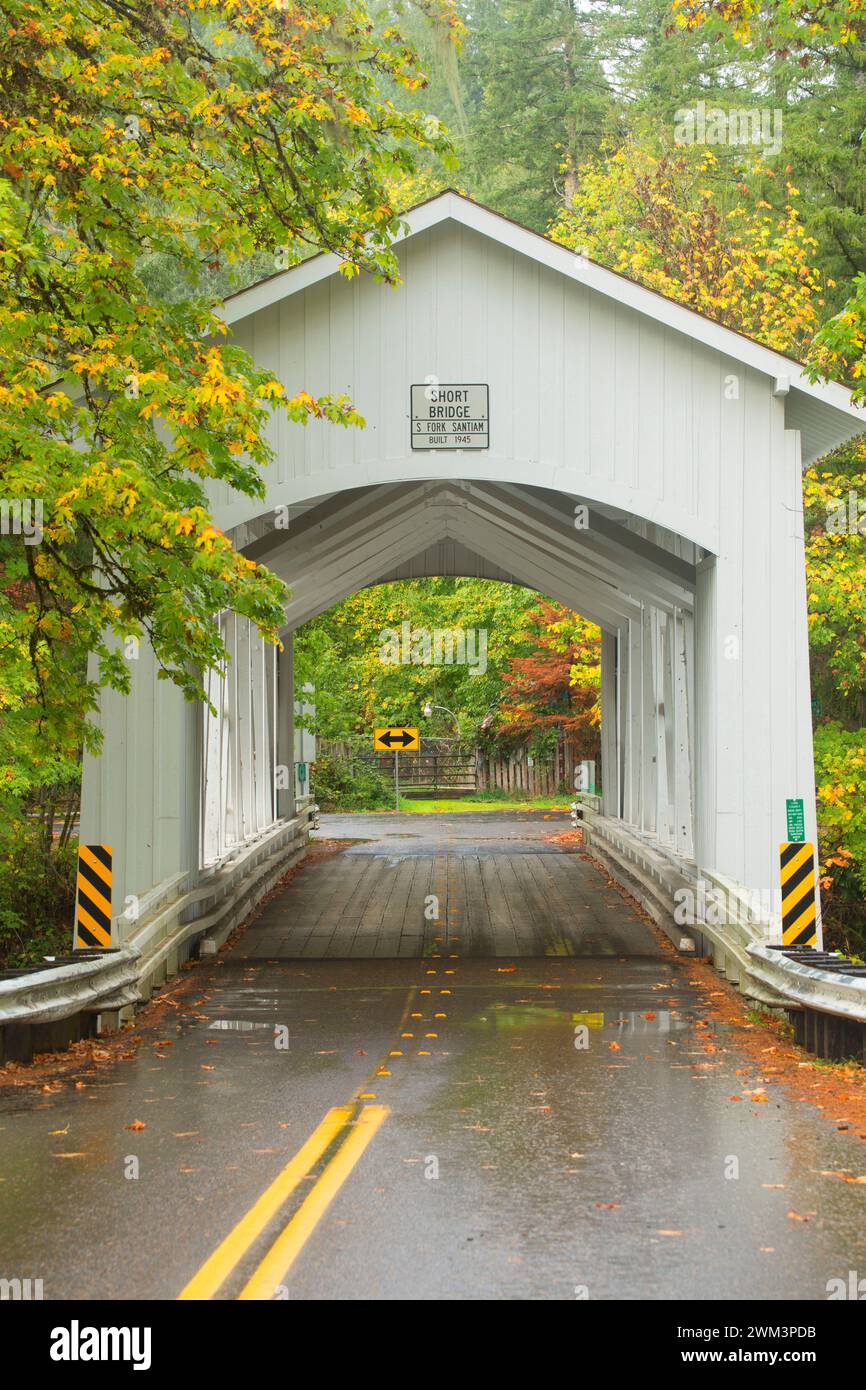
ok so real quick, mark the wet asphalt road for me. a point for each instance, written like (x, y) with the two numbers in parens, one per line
(512, 1163)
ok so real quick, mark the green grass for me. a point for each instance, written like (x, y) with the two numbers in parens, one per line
(484, 803)
(765, 1018)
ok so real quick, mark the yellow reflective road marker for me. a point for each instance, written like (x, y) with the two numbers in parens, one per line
(217, 1268)
(285, 1250)
(799, 907)
(93, 897)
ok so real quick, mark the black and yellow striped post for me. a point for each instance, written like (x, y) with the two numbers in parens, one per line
(799, 901)
(93, 897)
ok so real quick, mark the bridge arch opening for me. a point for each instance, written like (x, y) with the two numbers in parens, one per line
(635, 580)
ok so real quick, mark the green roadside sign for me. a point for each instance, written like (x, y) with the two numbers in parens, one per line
(796, 819)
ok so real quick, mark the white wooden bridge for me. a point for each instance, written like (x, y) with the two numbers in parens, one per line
(643, 467)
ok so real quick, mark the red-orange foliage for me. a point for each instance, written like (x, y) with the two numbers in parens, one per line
(557, 685)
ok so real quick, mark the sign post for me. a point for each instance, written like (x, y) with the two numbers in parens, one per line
(384, 740)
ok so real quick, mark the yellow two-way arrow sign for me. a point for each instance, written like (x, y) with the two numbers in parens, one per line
(399, 740)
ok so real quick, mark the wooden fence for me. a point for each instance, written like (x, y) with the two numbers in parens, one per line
(518, 773)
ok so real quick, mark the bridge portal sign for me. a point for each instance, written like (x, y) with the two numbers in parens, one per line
(447, 415)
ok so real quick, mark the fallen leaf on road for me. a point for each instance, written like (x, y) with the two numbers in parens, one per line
(615, 1046)
(795, 1216)
(136, 1124)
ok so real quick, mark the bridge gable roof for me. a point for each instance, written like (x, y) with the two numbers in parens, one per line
(822, 411)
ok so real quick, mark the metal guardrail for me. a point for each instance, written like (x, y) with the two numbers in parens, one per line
(814, 982)
(824, 993)
(51, 992)
(34, 1002)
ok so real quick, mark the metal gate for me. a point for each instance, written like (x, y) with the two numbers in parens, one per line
(442, 767)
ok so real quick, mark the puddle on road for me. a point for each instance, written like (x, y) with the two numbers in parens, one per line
(511, 1015)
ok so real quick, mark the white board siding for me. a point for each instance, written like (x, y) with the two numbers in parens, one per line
(585, 395)
(140, 796)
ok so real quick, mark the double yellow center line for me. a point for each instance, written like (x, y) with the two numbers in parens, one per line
(349, 1127)
(354, 1134)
